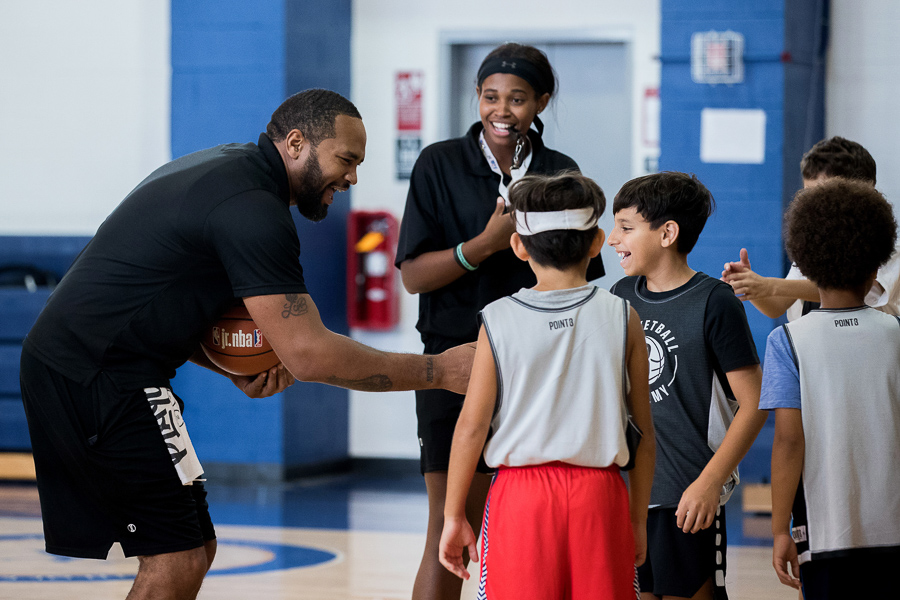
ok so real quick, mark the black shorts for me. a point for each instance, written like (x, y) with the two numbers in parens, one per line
(678, 563)
(863, 574)
(104, 473)
(437, 412)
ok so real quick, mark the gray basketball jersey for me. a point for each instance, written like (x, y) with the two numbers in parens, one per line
(560, 360)
(848, 363)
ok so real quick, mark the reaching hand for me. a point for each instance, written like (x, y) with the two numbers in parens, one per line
(499, 228)
(697, 507)
(784, 559)
(277, 379)
(455, 367)
(737, 267)
(456, 537)
(749, 286)
(746, 284)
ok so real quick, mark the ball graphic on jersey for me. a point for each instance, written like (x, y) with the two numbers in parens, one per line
(235, 344)
(657, 358)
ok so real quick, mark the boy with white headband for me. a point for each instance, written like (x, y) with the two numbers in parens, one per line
(558, 369)
(703, 365)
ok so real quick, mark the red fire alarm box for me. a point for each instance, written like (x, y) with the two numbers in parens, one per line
(372, 298)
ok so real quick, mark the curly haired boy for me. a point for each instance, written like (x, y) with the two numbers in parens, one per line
(832, 379)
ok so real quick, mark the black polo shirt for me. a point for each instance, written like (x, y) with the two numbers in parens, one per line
(199, 231)
(452, 195)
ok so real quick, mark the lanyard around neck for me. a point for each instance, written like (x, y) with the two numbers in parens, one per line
(514, 174)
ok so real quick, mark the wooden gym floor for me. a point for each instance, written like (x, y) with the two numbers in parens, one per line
(357, 536)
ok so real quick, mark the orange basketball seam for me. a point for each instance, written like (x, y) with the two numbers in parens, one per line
(211, 349)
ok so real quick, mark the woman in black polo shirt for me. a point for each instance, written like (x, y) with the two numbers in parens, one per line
(454, 252)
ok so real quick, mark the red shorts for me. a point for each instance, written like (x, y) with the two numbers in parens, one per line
(557, 531)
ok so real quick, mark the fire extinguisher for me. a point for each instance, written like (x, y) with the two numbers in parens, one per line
(372, 299)
(372, 279)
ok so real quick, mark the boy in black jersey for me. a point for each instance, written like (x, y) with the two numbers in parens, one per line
(703, 366)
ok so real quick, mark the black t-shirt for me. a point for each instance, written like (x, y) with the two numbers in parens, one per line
(452, 194)
(725, 328)
(198, 232)
(695, 335)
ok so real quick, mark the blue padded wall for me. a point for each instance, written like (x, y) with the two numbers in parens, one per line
(19, 309)
(233, 64)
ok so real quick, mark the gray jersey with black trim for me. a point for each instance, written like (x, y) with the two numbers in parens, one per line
(847, 361)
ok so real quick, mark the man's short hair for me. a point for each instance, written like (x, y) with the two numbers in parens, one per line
(840, 232)
(838, 157)
(669, 196)
(559, 249)
(313, 112)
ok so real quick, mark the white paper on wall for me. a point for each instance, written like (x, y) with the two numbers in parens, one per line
(735, 136)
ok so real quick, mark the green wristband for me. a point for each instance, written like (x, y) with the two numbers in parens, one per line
(462, 259)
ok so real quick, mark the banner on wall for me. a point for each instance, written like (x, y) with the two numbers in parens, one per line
(408, 97)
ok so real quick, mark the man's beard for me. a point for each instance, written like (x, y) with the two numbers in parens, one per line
(309, 190)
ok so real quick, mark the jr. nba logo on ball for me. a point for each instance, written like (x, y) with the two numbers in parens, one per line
(657, 358)
(215, 336)
(257, 338)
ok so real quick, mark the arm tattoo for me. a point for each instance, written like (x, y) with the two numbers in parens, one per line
(373, 383)
(429, 369)
(295, 306)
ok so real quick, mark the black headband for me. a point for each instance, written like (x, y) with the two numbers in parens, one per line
(520, 67)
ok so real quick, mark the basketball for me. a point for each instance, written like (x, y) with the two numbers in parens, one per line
(236, 345)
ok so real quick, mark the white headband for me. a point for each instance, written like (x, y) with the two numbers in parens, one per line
(580, 219)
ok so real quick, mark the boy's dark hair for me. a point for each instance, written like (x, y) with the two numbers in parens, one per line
(545, 193)
(839, 232)
(313, 112)
(669, 196)
(838, 157)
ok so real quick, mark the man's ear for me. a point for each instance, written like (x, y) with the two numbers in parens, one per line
(670, 233)
(518, 247)
(294, 142)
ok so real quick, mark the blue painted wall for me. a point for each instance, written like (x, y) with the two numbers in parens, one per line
(233, 63)
(784, 43)
(748, 197)
(317, 55)
(228, 70)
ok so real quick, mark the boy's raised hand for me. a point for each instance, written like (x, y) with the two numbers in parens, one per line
(456, 537)
(784, 559)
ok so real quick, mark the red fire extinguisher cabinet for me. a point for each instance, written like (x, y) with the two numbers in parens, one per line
(373, 301)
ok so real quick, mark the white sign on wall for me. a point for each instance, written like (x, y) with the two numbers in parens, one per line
(734, 136)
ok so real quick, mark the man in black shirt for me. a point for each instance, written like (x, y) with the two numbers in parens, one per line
(113, 458)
